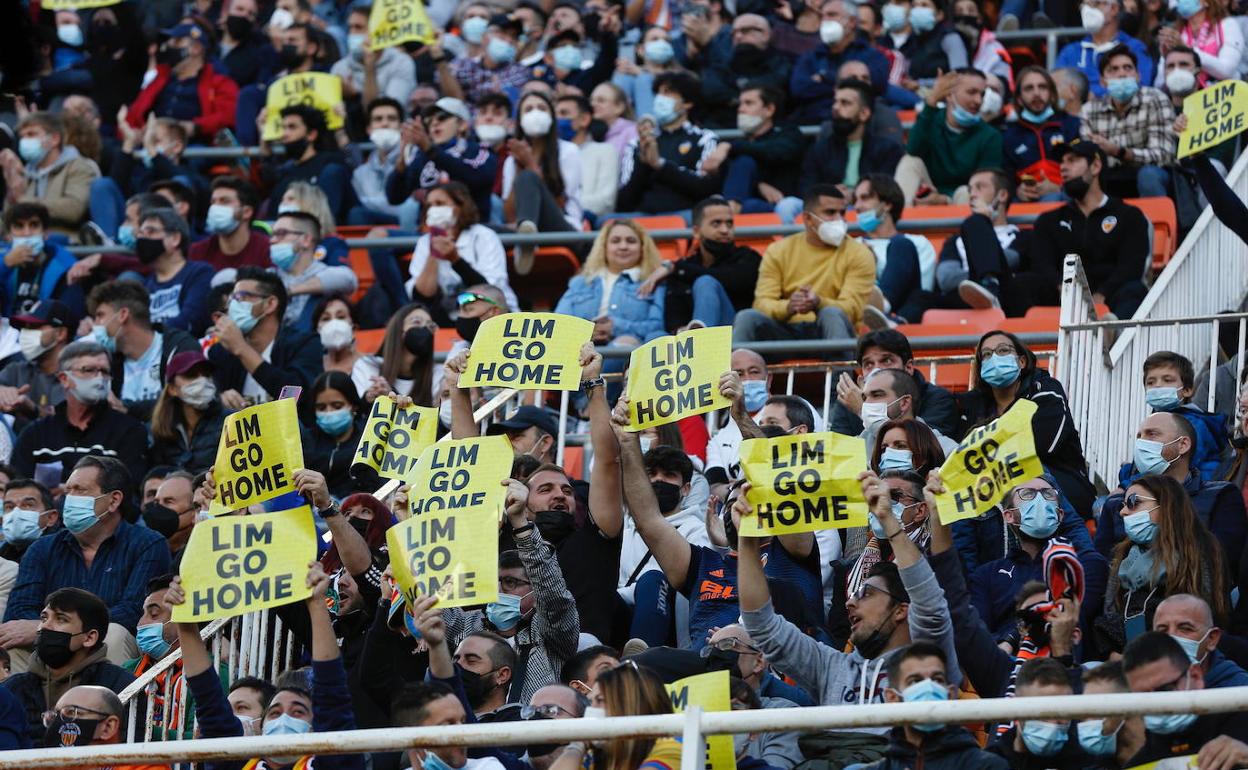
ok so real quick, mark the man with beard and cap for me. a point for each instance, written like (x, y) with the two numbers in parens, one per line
(29, 387)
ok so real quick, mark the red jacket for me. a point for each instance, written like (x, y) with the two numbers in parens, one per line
(218, 98)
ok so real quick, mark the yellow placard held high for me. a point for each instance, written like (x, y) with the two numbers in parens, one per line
(528, 351)
(1214, 114)
(394, 438)
(461, 474)
(712, 692)
(804, 483)
(237, 564)
(316, 89)
(258, 453)
(398, 21)
(74, 5)
(990, 461)
(678, 376)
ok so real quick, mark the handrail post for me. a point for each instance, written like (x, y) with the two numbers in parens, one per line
(693, 749)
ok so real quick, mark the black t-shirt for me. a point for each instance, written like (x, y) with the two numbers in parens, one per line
(27, 293)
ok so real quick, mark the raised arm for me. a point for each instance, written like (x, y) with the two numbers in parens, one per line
(606, 504)
(352, 548)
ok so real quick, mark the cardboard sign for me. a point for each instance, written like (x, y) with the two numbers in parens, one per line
(74, 5)
(451, 554)
(1214, 114)
(394, 438)
(462, 474)
(1185, 762)
(712, 692)
(990, 461)
(804, 483)
(238, 564)
(678, 376)
(259, 451)
(399, 21)
(528, 351)
(317, 89)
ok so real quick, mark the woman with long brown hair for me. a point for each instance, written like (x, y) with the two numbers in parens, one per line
(406, 365)
(1167, 550)
(626, 690)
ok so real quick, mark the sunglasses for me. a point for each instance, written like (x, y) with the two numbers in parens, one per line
(1132, 501)
(468, 297)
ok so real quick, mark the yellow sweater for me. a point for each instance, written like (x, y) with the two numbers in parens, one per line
(841, 277)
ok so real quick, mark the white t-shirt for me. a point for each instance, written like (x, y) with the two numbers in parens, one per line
(481, 248)
(251, 388)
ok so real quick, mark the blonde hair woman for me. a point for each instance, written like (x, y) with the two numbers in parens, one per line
(626, 690)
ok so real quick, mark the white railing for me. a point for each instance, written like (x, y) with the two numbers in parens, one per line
(694, 726)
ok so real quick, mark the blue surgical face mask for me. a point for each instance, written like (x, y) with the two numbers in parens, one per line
(126, 236)
(868, 220)
(1140, 527)
(1037, 117)
(1122, 89)
(1094, 741)
(99, 333)
(151, 639)
(282, 255)
(567, 131)
(1163, 399)
(658, 51)
(999, 371)
(963, 117)
(504, 614)
(500, 51)
(896, 460)
(474, 29)
(666, 109)
(922, 19)
(220, 219)
(355, 45)
(894, 17)
(79, 513)
(1038, 517)
(1187, 8)
(434, 762)
(1169, 724)
(1044, 739)
(286, 725)
(568, 57)
(335, 422)
(1149, 456)
(877, 528)
(1190, 646)
(240, 313)
(32, 242)
(926, 691)
(31, 149)
(21, 526)
(754, 394)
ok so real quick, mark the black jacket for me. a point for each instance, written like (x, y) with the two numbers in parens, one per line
(52, 439)
(1113, 243)
(778, 154)
(723, 77)
(31, 687)
(173, 341)
(1071, 757)
(737, 273)
(825, 161)
(200, 451)
(937, 407)
(952, 748)
(296, 360)
(677, 183)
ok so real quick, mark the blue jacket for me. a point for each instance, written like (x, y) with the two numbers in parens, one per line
(640, 317)
(57, 262)
(813, 82)
(459, 159)
(1029, 148)
(1080, 54)
(1213, 445)
(1224, 672)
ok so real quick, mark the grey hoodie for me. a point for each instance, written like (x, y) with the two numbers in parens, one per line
(841, 678)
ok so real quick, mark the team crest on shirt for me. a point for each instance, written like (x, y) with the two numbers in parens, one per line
(684, 148)
(1108, 224)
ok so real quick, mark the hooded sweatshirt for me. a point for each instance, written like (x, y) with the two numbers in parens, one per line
(689, 521)
(64, 187)
(39, 689)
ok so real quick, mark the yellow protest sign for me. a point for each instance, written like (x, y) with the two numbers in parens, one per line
(237, 564)
(461, 474)
(257, 455)
(74, 5)
(528, 351)
(452, 554)
(678, 376)
(1214, 114)
(990, 461)
(804, 483)
(394, 438)
(316, 89)
(398, 21)
(713, 693)
(1185, 762)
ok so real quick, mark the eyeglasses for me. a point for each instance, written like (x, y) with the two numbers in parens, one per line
(248, 296)
(1004, 349)
(92, 371)
(70, 713)
(509, 583)
(545, 711)
(1027, 493)
(866, 588)
(468, 297)
(1132, 501)
(898, 496)
(729, 645)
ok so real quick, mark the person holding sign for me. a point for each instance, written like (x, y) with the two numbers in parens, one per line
(291, 711)
(183, 58)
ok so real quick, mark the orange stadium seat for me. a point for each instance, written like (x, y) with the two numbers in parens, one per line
(444, 339)
(553, 268)
(368, 341)
(971, 321)
(671, 249)
(574, 461)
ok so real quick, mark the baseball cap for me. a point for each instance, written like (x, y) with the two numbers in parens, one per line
(45, 312)
(1083, 148)
(524, 418)
(451, 106)
(183, 362)
(185, 29)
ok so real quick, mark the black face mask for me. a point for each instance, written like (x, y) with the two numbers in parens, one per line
(467, 327)
(873, 645)
(419, 341)
(1076, 188)
(730, 529)
(160, 519)
(1033, 624)
(1128, 22)
(106, 37)
(477, 687)
(290, 56)
(63, 733)
(719, 249)
(295, 149)
(969, 23)
(541, 749)
(360, 525)
(722, 660)
(239, 27)
(53, 647)
(598, 130)
(843, 127)
(747, 55)
(148, 250)
(555, 526)
(668, 495)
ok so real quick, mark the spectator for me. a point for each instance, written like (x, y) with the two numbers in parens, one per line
(148, 155)
(733, 646)
(70, 650)
(336, 429)
(1005, 370)
(232, 242)
(985, 52)
(29, 513)
(35, 269)
(655, 55)
(29, 387)
(931, 46)
(656, 175)
(715, 281)
(70, 723)
(980, 267)
(627, 691)
(599, 161)
(705, 35)
(244, 53)
(368, 180)
(797, 296)
(310, 157)
(492, 122)
(187, 87)
(1206, 26)
(368, 75)
(883, 120)
(472, 20)
(752, 61)
(563, 64)
(1103, 21)
(1112, 739)
(138, 348)
(608, 290)
(1109, 235)
(1041, 740)
(1180, 66)
(1169, 382)
(84, 425)
(948, 144)
(187, 417)
(337, 325)
(293, 250)
(1073, 90)
(1030, 140)
(723, 451)
(178, 288)
(906, 445)
(881, 391)
(406, 365)
(611, 106)
(46, 169)
(157, 637)
(905, 263)
(814, 80)
(497, 68)
(255, 357)
(582, 670)
(850, 151)
(311, 199)
(439, 152)
(763, 166)
(1189, 621)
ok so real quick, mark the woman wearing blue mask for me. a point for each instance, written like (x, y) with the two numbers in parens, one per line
(931, 46)
(906, 445)
(653, 56)
(1168, 550)
(187, 417)
(1004, 371)
(905, 264)
(332, 411)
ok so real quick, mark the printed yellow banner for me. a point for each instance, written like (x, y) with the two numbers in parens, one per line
(398, 21)
(990, 461)
(528, 351)
(1214, 114)
(804, 483)
(452, 554)
(461, 474)
(73, 5)
(394, 438)
(258, 453)
(713, 693)
(316, 89)
(678, 376)
(1186, 762)
(237, 564)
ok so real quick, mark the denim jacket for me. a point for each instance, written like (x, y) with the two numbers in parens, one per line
(632, 315)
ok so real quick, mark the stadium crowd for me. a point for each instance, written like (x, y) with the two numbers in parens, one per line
(199, 284)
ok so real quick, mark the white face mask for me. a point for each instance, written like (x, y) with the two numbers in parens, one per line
(832, 232)
(536, 122)
(1092, 18)
(831, 32)
(281, 19)
(874, 413)
(386, 139)
(336, 334)
(440, 216)
(1180, 82)
(748, 123)
(198, 393)
(31, 343)
(991, 106)
(490, 134)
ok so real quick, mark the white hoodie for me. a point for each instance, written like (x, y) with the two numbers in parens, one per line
(689, 521)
